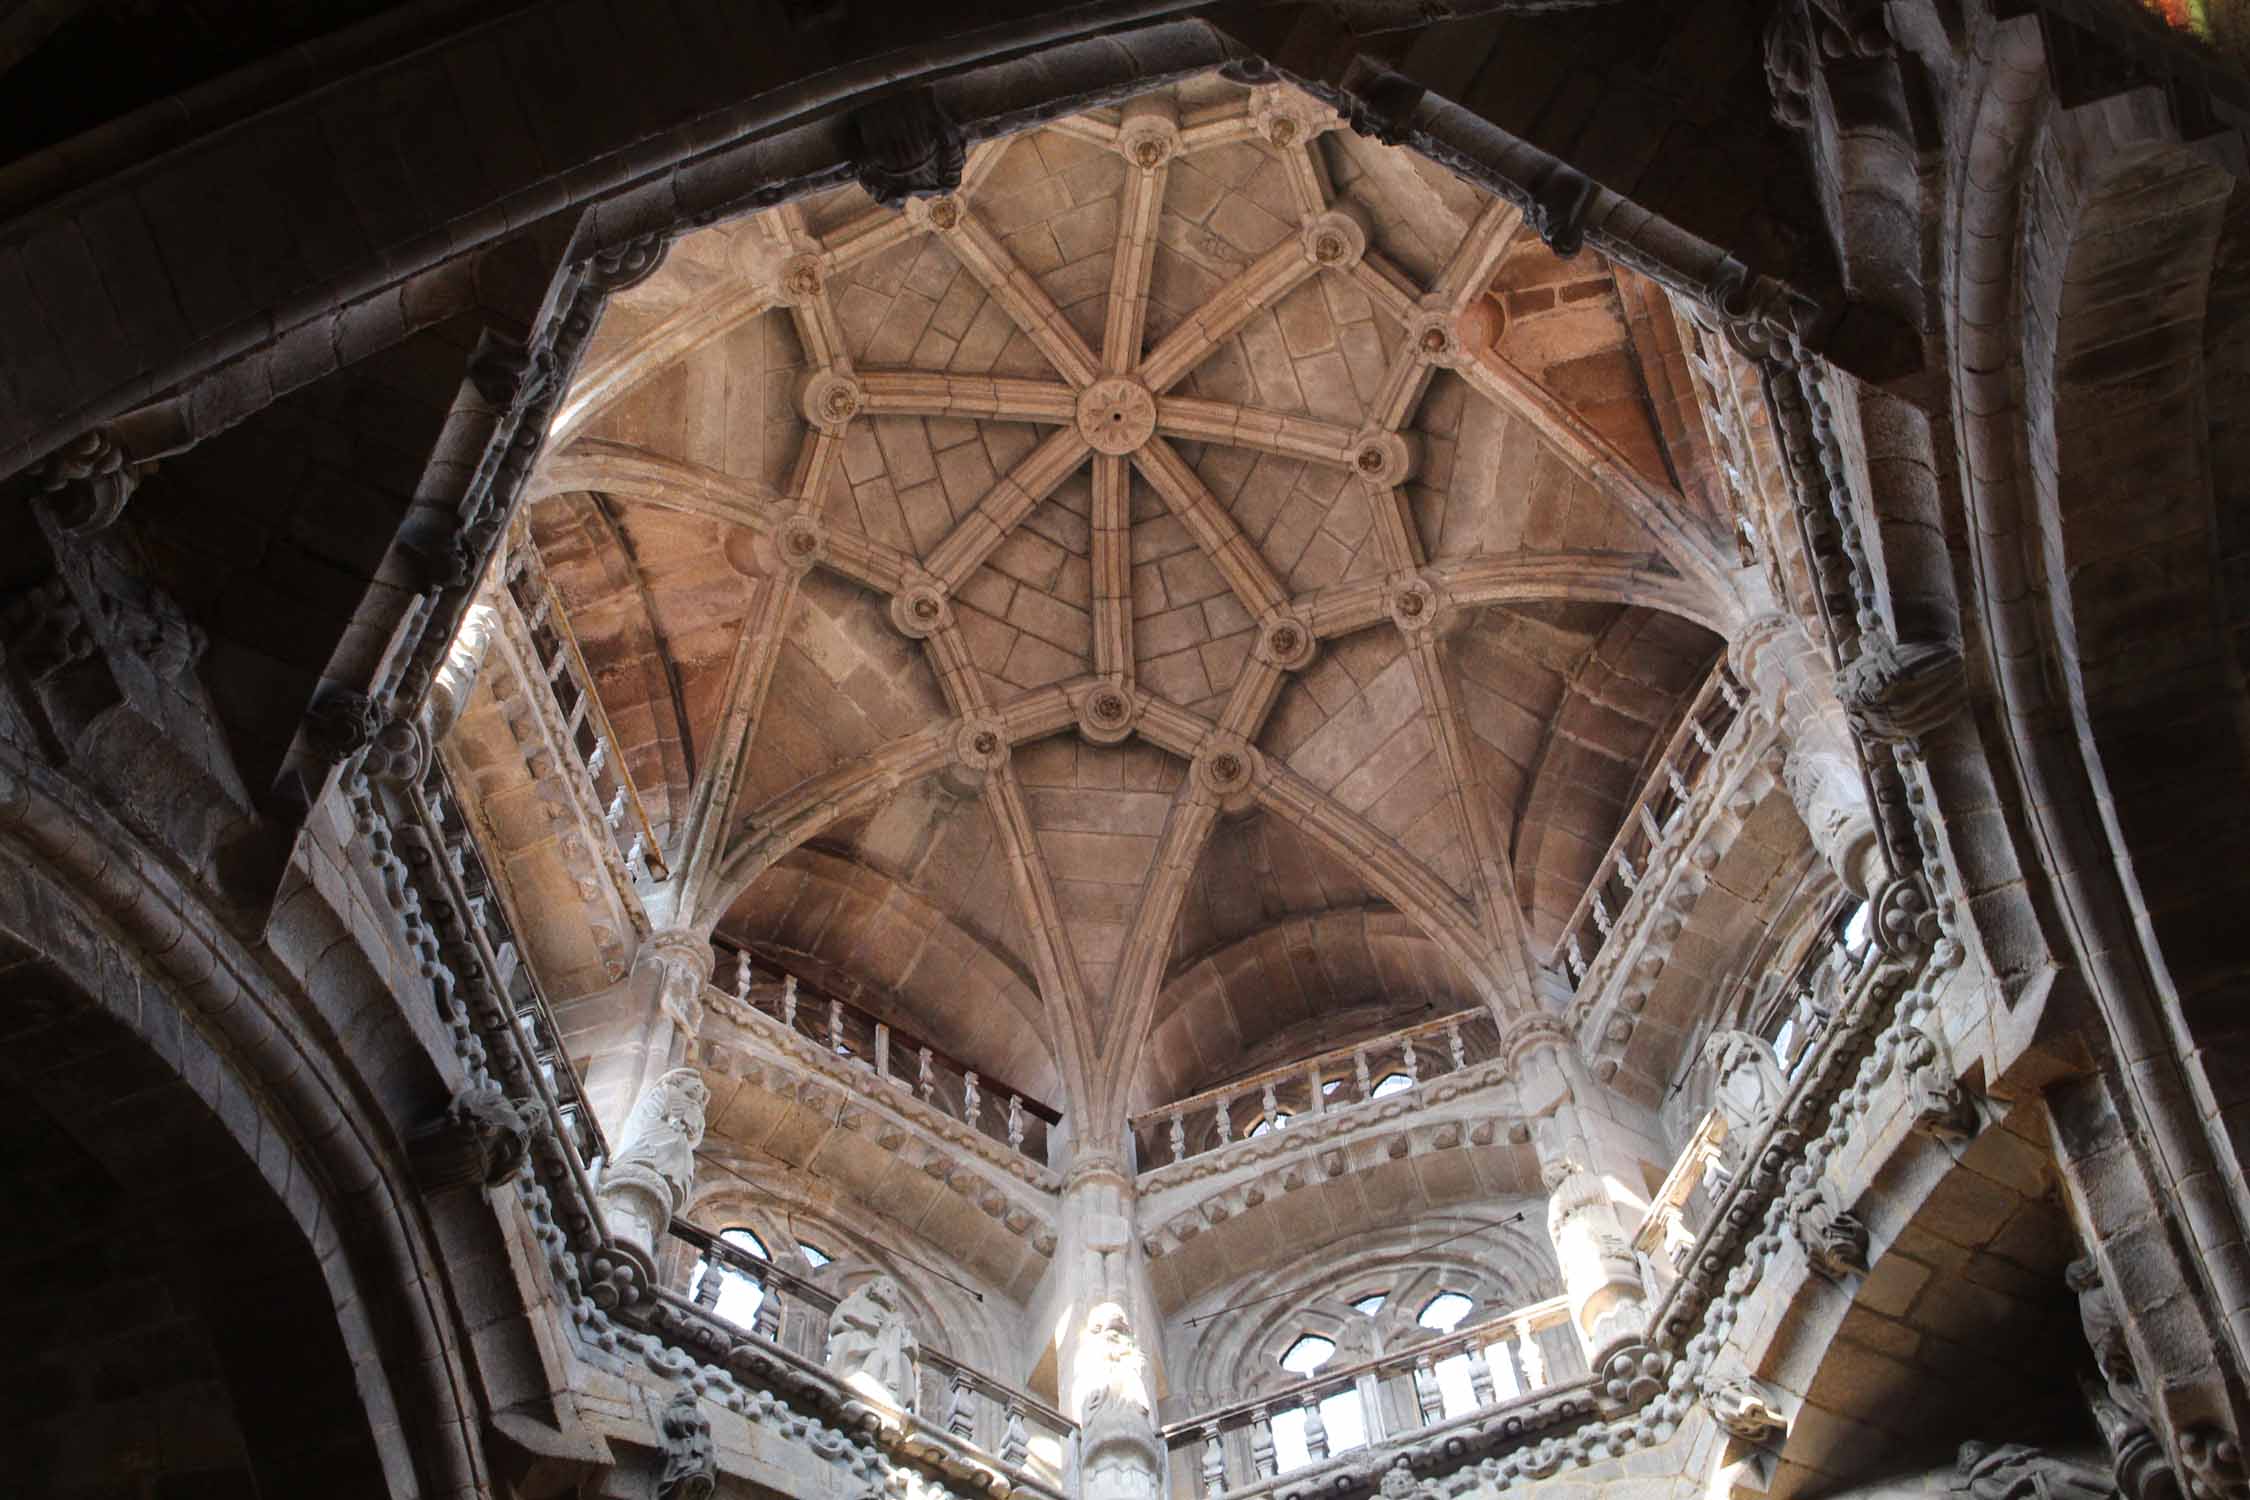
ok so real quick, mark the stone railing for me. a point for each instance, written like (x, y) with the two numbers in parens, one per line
(607, 1290)
(1302, 1094)
(534, 1018)
(793, 1314)
(1680, 1207)
(538, 620)
(1497, 1366)
(857, 1041)
(1664, 796)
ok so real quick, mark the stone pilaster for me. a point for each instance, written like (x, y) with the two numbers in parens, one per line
(665, 996)
(1593, 1243)
(1105, 1332)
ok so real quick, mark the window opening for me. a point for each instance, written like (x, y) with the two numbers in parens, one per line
(1855, 929)
(739, 1293)
(1445, 1311)
(1280, 1117)
(815, 1254)
(1369, 1304)
(1329, 1088)
(1390, 1083)
(1308, 1354)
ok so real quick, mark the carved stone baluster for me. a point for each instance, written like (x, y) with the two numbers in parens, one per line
(742, 977)
(972, 1098)
(836, 1027)
(1261, 1445)
(1015, 1441)
(714, 1277)
(600, 757)
(1602, 917)
(789, 1001)
(766, 1321)
(1015, 1122)
(1219, 1120)
(1702, 737)
(960, 1415)
(1429, 1400)
(1480, 1378)
(1577, 960)
(1359, 1074)
(1648, 825)
(882, 1050)
(1412, 1062)
(1214, 1471)
(1269, 1108)
(1503, 1349)
(1728, 691)
(1179, 1141)
(1456, 1046)
(636, 857)
(616, 813)
(1626, 872)
(1316, 1089)
(1316, 1432)
(925, 1077)
(1679, 787)
(1529, 1356)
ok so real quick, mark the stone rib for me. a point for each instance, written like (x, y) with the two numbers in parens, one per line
(674, 337)
(1388, 286)
(1112, 569)
(1595, 577)
(1262, 283)
(626, 469)
(1255, 427)
(1214, 530)
(1004, 506)
(921, 393)
(1130, 273)
(1020, 296)
(1054, 964)
(1472, 265)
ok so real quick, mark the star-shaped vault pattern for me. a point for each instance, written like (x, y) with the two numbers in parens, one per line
(1165, 479)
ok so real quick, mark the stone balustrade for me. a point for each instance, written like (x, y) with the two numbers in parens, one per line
(1664, 798)
(1398, 1063)
(529, 614)
(927, 1082)
(1402, 1395)
(793, 1315)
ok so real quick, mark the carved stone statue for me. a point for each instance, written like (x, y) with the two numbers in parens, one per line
(1111, 1367)
(1834, 1239)
(1747, 1086)
(1124, 1458)
(665, 1128)
(2013, 1471)
(691, 1466)
(654, 1168)
(871, 1346)
(2105, 1335)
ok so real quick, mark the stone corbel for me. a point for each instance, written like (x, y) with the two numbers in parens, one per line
(1834, 1240)
(691, 1463)
(1899, 694)
(481, 1140)
(89, 479)
(1936, 1102)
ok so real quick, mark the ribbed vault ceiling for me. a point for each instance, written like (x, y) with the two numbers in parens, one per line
(1211, 573)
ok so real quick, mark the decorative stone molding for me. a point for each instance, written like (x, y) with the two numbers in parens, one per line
(691, 1463)
(1335, 240)
(1107, 713)
(921, 610)
(1286, 641)
(482, 1140)
(1384, 459)
(1116, 415)
(1413, 601)
(981, 743)
(830, 400)
(1228, 770)
(802, 542)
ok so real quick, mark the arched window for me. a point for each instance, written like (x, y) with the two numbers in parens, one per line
(1445, 1311)
(813, 1254)
(1280, 1117)
(738, 1293)
(1339, 1413)
(1390, 1083)
(1370, 1304)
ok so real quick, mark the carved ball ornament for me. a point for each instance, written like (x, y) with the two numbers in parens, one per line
(1106, 715)
(831, 400)
(921, 610)
(981, 744)
(1286, 641)
(802, 542)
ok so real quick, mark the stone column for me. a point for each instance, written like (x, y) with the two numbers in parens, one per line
(1779, 662)
(1105, 1332)
(1593, 1243)
(652, 1019)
